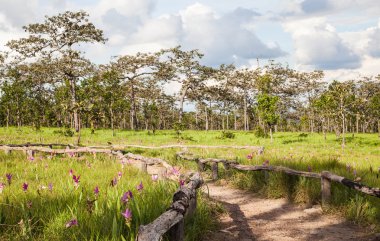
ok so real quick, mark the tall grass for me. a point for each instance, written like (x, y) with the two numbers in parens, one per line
(359, 159)
(51, 201)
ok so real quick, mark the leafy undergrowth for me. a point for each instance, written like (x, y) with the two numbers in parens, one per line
(83, 198)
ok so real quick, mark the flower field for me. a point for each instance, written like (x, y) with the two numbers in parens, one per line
(78, 198)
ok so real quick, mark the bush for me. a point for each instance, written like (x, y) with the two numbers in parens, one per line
(260, 132)
(227, 135)
(67, 132)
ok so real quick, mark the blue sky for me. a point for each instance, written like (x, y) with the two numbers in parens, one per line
(339, 36)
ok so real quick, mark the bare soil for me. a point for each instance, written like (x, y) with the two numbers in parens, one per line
(250, 217)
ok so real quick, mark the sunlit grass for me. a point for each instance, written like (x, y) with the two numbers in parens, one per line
(43, 211)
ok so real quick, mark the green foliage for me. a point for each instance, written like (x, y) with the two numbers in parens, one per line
(227, 135)
(260, 132)
(179, 128)
(267, 108)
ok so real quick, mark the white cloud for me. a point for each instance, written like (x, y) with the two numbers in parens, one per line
(224, 38)
(317, 43)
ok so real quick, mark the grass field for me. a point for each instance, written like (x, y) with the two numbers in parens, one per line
(71, 198)
(359, 159)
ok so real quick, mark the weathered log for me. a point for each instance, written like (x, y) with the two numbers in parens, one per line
(352, 184)
(174, 215)
(276, 169)
(38, 144)
(122, 147)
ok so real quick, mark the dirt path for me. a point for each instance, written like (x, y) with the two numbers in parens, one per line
(250, 217)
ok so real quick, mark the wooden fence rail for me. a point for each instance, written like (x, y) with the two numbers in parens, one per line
(145, 164)
(325, 177)
(172, 221)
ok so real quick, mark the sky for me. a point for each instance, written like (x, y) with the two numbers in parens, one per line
(341, 37)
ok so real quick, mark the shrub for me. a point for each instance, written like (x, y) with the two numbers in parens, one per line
(260, 132)
(227, 135)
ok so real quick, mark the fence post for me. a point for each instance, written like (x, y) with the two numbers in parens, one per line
(201, 165)
(177, 231)
(7, 151)
(325, 188)
(192, 205)
(214, 168)
(143, 166)
(226, 165)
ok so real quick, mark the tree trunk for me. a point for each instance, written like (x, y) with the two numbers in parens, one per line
(228, 117)
(343, 131)
(74, 104)
(133, 109)
(245, 113)
(271, 134)
(206, 112)
(8, 117)
(357, 123)
(235, 121)
(196, 119)
(181, 101)
(112, 124)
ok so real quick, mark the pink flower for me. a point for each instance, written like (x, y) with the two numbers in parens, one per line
(140, 187)
(154, 177)
(25, 186)
(127, 214)
(119, 175)
(114, 181)
(126, 197)
(123, 162)
(96, 191)
(31, 158)
(181, 183)
(71, 172)
(9, 178)
(71, 223)
(76, 181)
(249, 156)
(175, 171)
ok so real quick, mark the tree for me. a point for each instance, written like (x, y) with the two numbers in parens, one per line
(55, 41)
(267, 108)
(341, 95)
(134, 71)
(188, 71)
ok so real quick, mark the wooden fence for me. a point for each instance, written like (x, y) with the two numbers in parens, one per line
(325, 177)
(146, 164)
(172, 221)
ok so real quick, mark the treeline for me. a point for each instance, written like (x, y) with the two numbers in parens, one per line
(47, 81)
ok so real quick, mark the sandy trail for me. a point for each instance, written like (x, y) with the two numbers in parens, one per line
(250, 217)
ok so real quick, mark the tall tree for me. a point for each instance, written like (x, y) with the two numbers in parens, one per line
(55, 40)
(188, 72)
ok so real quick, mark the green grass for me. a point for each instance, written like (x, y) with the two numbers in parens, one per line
(41, 214)
(362, 154)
